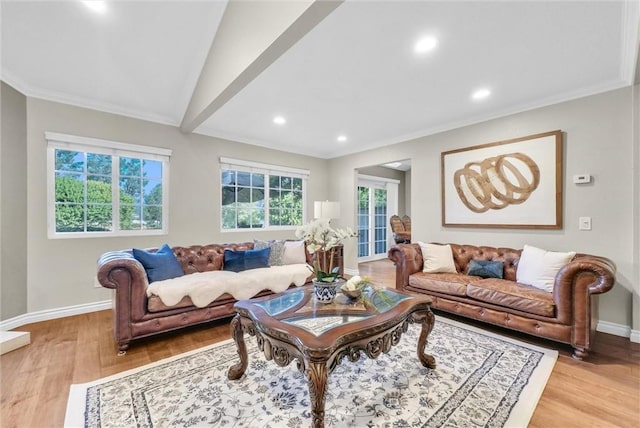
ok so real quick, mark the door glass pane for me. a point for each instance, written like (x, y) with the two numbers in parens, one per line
(363, 221)
(380, 221)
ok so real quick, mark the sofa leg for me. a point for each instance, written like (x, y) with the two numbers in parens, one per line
(123, 349)
(579, 353)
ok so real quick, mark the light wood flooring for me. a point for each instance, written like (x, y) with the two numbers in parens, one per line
(603, 391)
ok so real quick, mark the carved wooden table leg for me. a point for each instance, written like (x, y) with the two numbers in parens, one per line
(427, 320)
(237, 370)
(317, 375)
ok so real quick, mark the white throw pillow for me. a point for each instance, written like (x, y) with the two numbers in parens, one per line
(437, 258)
(294, 253)
(538, 267)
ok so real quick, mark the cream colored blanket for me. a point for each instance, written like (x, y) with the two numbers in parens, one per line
(205, 287)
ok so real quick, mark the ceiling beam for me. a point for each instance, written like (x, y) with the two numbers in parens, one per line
(251, 36)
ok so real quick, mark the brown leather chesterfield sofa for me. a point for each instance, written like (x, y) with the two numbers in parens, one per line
(135, 315)
(568, 314)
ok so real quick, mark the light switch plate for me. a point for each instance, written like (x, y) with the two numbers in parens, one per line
(582, 178)
(584, 223)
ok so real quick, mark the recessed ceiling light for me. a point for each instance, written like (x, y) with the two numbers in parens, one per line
(96, 5)
(342, 138)
(279, 120)
(425, 44)
(393, 164)
(481, 94)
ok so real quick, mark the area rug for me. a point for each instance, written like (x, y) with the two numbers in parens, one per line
(481, 379)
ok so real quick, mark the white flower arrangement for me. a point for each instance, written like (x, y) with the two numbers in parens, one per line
(356, 283)
(321, 238)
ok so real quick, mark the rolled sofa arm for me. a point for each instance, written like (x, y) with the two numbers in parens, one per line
(408, 260)
(120, 271)
(575, 283)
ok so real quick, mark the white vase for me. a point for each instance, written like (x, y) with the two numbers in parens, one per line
(325, 291)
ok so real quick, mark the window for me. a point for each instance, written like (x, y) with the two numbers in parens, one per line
(104, 188)
(259, 196)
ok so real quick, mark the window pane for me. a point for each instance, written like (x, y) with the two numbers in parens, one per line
(274, 199)
(297, 200)
(228, 177)
(98, 191)
(151, 169)
(244, 179)
(69, 218)
(67, 160)
(130, 167)
(257, 197)
(69, 187)
(99, 218)
(285, 182)
(257, 180)
(244, 218)
(130, 217)
(297, 184)
(228, 195)
(228, 218)
(244, 195)
(257, 218)
(274, 217)
(130, 190)
(153, 192)
(152, 217)
(274, 181)
(98, 164)
(287, 199)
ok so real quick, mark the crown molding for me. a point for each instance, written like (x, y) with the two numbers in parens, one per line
(59, 97)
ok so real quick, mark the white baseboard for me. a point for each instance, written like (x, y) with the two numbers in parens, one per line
(613, 328)
(635, 336)
(11, 340)
(49, 314)
(351, 272)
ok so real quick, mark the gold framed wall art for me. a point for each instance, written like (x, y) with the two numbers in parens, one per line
(514, 184)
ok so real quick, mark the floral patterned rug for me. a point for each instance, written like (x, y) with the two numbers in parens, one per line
(481, 379)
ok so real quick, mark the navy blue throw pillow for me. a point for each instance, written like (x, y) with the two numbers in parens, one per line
(160, 265)
(486, 268)
(237, 261)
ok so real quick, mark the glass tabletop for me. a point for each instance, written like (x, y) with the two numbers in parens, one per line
(300, 308)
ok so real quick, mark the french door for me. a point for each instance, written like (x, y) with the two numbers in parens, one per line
(375, 199)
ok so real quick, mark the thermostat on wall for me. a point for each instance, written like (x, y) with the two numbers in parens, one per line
(582, 178)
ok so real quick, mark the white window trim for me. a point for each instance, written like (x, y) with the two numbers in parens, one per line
(263, 168)
(94, 145)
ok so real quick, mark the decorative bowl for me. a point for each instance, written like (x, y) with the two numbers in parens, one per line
(352, 294)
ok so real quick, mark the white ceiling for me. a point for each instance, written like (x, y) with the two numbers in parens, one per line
(354, 74)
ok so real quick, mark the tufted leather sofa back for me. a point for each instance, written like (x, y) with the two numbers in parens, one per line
(463, 254)
(204, 258)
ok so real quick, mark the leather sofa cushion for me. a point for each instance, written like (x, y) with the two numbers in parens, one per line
(447, 283)
(513, 295)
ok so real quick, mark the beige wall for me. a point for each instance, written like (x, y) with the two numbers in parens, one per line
(598, 141)
(13, 203)
(61, 271)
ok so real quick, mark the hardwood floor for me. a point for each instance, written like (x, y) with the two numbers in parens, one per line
(603, 391)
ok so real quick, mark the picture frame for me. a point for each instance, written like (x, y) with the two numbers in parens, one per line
(514, 183)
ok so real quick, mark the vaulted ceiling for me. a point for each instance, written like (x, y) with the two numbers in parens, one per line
(328, 69)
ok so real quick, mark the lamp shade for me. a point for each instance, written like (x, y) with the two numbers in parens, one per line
(326, 209)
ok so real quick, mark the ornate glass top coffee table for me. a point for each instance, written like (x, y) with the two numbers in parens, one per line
(293, 326)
